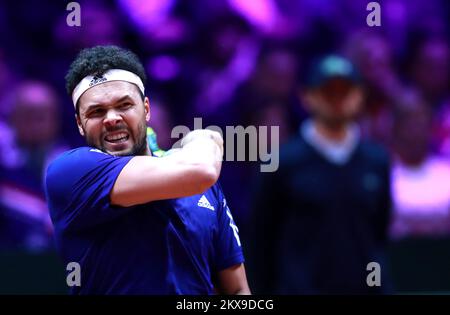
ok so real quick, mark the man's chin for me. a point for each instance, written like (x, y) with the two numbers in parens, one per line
(119, 150)
(125, 152)
(119, 153)
(337, 121)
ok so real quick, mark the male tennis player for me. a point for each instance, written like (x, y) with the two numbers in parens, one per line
(137, 223)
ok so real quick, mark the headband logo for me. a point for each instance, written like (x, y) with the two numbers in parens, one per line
(110, 75)
(96, 80)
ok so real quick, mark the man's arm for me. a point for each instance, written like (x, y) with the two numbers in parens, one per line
(188, 171)
(233, 280)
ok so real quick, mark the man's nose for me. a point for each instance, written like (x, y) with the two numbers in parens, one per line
(112, 118)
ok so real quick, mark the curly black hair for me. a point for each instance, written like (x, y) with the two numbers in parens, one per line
(99, 59)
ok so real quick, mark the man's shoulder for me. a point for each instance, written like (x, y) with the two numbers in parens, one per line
(75, 160)
(73, 156)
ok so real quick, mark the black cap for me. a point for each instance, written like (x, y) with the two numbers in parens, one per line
(329, 67)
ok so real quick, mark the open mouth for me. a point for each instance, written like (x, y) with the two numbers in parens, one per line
(117, 137)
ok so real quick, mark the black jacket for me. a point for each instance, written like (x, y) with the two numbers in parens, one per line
(317, 224)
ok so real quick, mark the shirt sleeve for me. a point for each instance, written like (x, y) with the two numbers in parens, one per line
(78, 186)
(228, 248)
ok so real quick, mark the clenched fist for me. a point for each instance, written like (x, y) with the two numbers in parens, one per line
(203, 134)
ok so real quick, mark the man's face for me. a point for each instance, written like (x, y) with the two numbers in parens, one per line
(35, 115)
(113, 118)
(336, 102)
(412, 132)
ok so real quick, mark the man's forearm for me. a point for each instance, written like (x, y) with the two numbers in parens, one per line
(188, 171)
(201, 147)
(202, 151)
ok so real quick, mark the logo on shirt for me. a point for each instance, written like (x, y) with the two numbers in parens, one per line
(371, 182)
(203, 202)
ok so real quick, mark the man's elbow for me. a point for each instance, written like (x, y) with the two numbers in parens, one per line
(243, 291)
(206, 175)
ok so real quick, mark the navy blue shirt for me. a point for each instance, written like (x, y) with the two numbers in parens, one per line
(173, 246)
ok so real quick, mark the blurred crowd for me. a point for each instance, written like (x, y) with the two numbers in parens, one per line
(231, 62)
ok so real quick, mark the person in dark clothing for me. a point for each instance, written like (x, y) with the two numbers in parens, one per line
(323, 216)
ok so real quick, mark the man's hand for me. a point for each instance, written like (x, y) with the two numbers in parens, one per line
(203, 134)
(202, 147)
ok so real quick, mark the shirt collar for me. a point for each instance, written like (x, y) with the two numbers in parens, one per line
(337, 152)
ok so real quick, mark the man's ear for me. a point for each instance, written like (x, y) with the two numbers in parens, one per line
(147, 108)
(80, 126)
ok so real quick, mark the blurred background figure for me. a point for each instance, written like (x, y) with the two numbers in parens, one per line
(7, 82)
(373, 56)
(420, 178)
(267, 98)
(323, 217)
(420, 229)
(430, 74)
(104, 28)
(162, 122)
(274, 81)
(429, 69)
(34, 142)
(230, 53)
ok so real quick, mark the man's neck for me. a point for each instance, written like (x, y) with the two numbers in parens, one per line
(336, 145)
(335, 133)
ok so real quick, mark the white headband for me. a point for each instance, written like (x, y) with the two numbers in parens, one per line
(110, 75)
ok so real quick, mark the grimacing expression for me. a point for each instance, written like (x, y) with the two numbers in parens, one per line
(113, 118)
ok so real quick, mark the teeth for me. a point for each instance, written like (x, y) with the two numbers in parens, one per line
(116, 137)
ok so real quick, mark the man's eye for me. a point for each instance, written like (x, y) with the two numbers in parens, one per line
(125, 105)
(96, 112)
